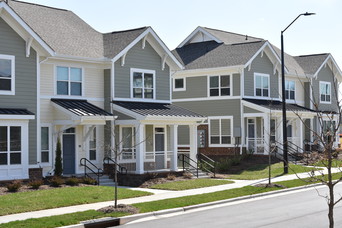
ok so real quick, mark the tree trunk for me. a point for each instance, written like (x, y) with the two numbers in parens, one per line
(331, 201)
(115, 183)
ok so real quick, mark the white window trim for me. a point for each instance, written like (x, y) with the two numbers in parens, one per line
(324, 83)
(219, 76)
(179, 89)
(133, 144)
(288, 99)
(56, 79)
(50, 145)
(269, 85)
(96, 147)
(231, 130)
(153, 72)
(12, 91)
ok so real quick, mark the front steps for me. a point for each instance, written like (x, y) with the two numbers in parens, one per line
(106, 181)
(201, 174)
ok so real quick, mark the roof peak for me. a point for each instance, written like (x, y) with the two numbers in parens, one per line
(233, 33)
(311, 55)
(128, 30)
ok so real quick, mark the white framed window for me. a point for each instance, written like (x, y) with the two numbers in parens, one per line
(261, 85)
(142, 84)
(220, 131)
(290, 90)
(127, 143)
(219, 85)
(45, 144)
(93, 145)
(69, 81)
(325, 92)
(179, 84)
(7, 75)
(10, 145)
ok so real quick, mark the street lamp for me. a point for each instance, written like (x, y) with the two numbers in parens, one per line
(285, 151)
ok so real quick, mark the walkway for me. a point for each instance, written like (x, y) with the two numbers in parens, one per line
(158, 195)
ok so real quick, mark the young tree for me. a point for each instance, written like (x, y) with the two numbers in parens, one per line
(58, 160)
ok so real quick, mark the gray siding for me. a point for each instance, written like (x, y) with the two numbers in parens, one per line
(183, 135)
(325, 75)
(195, 87)
(147, 59)
(236, 85)
(25, 81)
(106, 91)
(215, 108)
(307, 94)
(250, 110)
(261, 65)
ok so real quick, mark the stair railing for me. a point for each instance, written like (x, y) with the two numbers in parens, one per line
(187, 164)
(92, 168)
(118, 167)
(207, 164)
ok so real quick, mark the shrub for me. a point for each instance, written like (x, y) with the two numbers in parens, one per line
(35, 184)
(13, 186)
(224, 165)
(72, 181)
(58, 161)
(56, 182)
(171, 177)
(88, 180)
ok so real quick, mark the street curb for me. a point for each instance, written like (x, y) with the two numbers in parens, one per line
(130, 218)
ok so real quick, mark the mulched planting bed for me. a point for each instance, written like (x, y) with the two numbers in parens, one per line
(154, 181)
(121, 208)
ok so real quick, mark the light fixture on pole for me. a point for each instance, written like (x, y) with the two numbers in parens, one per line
(285, 151)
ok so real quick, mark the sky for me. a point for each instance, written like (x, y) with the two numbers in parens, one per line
(174, 20)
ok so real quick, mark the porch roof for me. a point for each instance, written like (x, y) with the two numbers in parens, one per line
(157, 109)
(81, 107)
(277, 105)
(14, 111)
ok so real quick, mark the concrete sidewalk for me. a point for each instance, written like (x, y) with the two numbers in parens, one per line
(158, 195)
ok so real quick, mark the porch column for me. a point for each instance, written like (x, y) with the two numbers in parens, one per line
(301, 132)
(267, 134)
(174, 143)
(193, 142)
(140, 148)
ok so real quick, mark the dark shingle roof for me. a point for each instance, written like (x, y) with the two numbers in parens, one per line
(81, 107)
(230, 37)
(211, 54)
(277, 105)
(156, 109)
(115, 42)
(311, 63)
(14, 111)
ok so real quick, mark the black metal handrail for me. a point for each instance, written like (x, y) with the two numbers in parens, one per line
(204, 159)
(89, 166)
(291, 152)
(118, 167)
(186, 162)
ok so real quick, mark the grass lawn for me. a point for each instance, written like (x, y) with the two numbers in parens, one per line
(74, 218)
(190, 184)
(60, 197)
(324, 163)
(261, 171)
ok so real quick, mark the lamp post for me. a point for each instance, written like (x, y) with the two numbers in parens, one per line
(285, 151)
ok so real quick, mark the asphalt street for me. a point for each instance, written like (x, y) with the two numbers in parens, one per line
(305, 208)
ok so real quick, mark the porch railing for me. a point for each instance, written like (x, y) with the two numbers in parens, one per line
(90, 168)
(256, 145)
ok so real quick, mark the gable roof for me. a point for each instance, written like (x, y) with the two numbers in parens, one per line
(211, 54)
(311, 63)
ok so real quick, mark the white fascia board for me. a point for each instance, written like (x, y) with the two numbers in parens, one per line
(266, 44)
(176, 118)
(27, 28)
(198, 29)
(184, 73)
(333, 62)
(128, 112)
(254, 106)
(81, 59)
(143, 100)
(100, 118)
(17, 117)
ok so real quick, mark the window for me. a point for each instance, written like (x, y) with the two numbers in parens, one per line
(92, 144)
(10, 145)
(45, 145)
(127, 142)
(273, 128)
(290, 88)
(220, 131)
(325, 92)
(219, 85)
(329, 130)
(142, 84)
(7, 74)
(69, 81)
(261, 85)
(179, 84)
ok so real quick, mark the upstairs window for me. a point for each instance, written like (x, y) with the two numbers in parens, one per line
(290, 88)
(143, 84)
(179, 84)
(7, 74)
(69, 81)
(261, 85)
(325, 92)
(219, 85)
